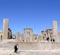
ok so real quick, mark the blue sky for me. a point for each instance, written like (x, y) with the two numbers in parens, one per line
(36, 14)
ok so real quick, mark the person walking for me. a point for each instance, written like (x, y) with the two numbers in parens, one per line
(16, 48)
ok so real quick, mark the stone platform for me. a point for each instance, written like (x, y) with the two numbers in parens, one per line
(30, 48)
(32, 45)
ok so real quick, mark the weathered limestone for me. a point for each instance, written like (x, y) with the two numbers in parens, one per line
(20, 37)
(55, 33)
(1, 35)
(28, 34)
(35, 38)
(5, 29)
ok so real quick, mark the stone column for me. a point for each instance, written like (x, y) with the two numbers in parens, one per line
(28, 34)
(18, 36)
(55, 33)
(5, 29)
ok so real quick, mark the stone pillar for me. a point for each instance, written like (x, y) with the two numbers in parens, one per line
(28, 34)
(18, 36)
(5, 29)
(55, 33)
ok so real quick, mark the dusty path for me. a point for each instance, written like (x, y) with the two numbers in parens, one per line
(30, 52)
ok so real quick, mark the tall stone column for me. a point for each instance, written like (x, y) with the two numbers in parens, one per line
(55, 33)
(5, 29)
(18, 36)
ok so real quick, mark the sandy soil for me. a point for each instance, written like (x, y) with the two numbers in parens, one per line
(29, 52)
